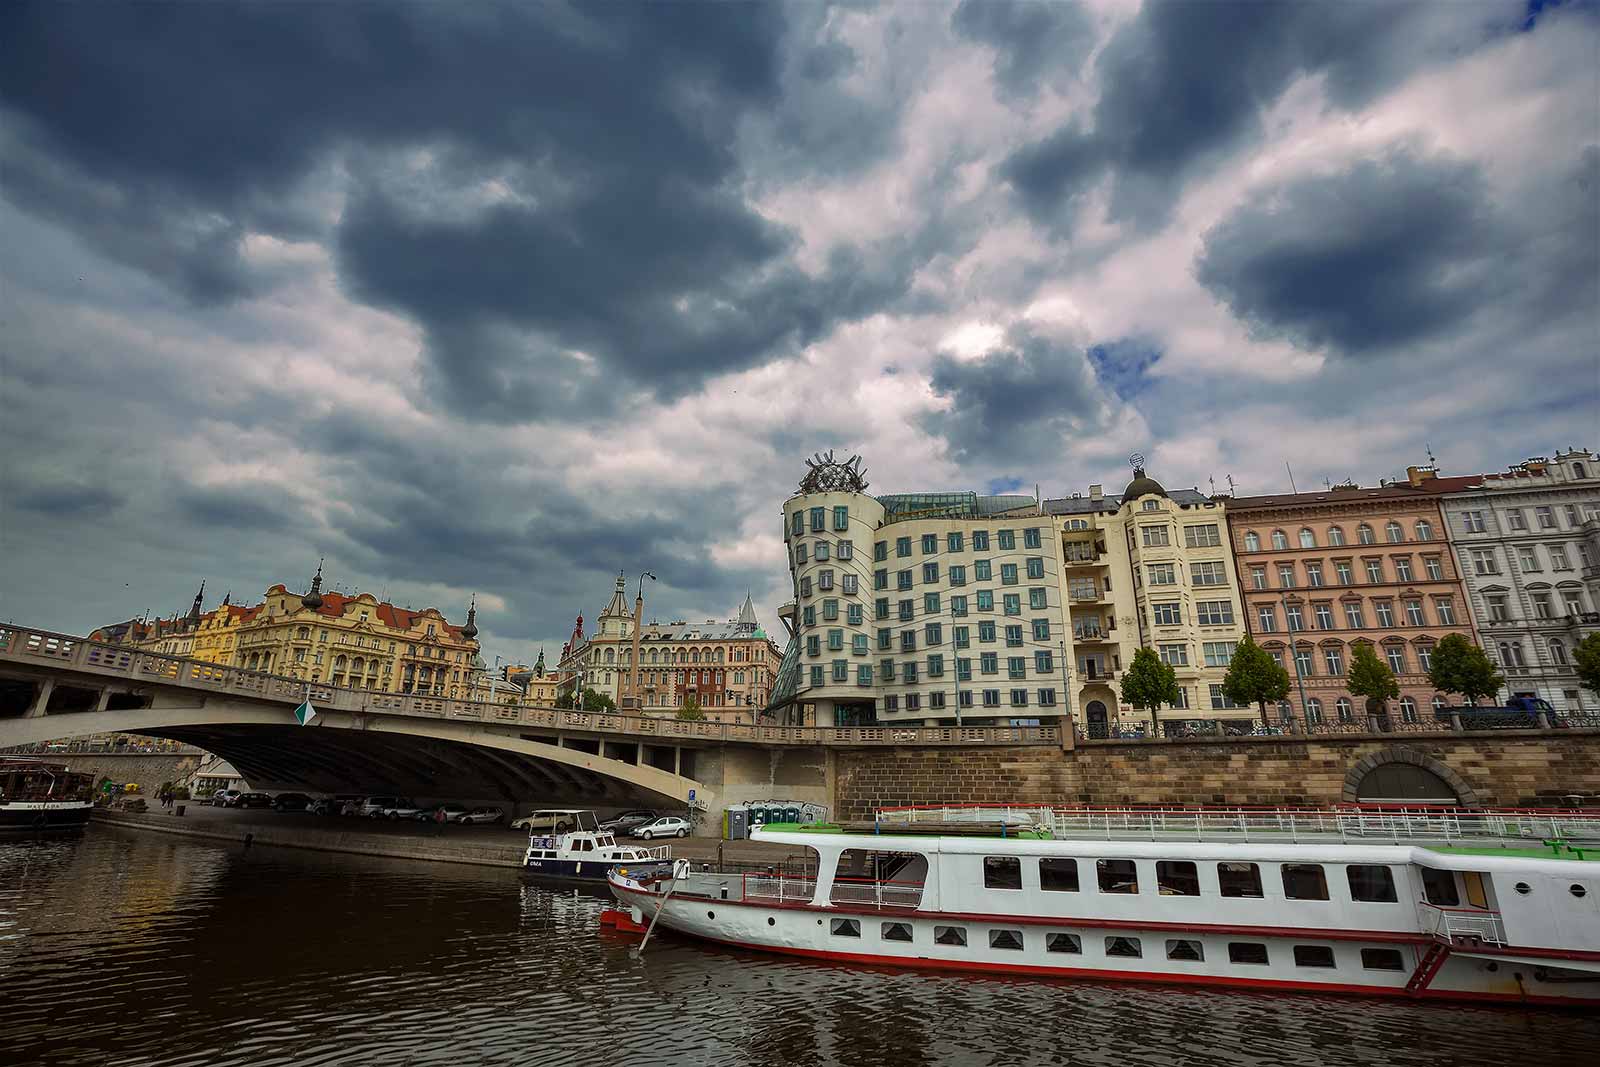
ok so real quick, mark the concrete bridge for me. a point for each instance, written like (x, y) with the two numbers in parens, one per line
(59, 686)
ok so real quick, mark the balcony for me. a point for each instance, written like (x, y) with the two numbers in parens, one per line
(1091, 635)
(1086, 596)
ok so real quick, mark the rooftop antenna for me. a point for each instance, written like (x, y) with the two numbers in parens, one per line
(1231, 490)
(1292, 487)
(1213, 483)
(1326, 484)
(1429, 449)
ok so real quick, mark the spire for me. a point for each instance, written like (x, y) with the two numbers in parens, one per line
(313, 599)
(538, 668)
(227, 598)
(618, 606)
(470, 630)
(194, 609)
(747, 616)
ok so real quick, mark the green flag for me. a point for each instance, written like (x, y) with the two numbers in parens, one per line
(305, 713)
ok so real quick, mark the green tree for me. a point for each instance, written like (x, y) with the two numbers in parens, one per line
(1370, 677)
(593, 701)
(1459, 666)
(1587, 658)
(691, 710)
(1254, 677)
(1149, 683)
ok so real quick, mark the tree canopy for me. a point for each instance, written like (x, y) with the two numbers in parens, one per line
(691, 710)
(1254, 677)
(1459, 666)
(1370, 677)
(1587, 658)
(1149, 683)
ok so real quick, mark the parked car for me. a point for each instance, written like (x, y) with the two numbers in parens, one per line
(481, 817)
(405, 808)
(451, 810)
(334, 805)
(224, 798)
(374, 807)
(291, 802)
(550, 822)
(629, 821)
(665, 826)
(252, 800)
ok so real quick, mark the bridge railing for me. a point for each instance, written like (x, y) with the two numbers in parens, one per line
(41, 647)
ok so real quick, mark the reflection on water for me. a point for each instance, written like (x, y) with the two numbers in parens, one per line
(134, 949)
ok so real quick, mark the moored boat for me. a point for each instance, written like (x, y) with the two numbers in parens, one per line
(1497, 906)
(36, 795)
(578, 848)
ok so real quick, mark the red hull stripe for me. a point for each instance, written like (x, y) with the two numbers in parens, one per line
(1269, 984)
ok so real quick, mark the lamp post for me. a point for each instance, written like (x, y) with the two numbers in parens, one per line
(638, 627)
(1299, 681)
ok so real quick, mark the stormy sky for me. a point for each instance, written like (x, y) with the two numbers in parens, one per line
(506, 298)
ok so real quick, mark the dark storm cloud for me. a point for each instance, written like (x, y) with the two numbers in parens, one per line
(1400, 250)
(1034, 42)
(67, 501)
(1185, 84)
(249, 507)
(608, 131)
(1020, 401)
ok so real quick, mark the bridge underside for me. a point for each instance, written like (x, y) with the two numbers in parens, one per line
(340, 761)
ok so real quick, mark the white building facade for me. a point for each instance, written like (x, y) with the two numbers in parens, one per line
(1528, 545)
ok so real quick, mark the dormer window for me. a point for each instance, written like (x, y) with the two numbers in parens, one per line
(1152, 505)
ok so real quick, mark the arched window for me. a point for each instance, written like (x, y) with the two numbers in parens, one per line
(720, 653)
(1511, 654)
(1558, 652)
(1394, 532)
(1252, 541)
(1280, 539)
(1364, 534)
(1307, 538)
(356, 666)
(611, 655)
(1336, 535)
(1344, 709)
(340, 663)
(1408, 710)
(1577, 471)
(1439, 704)
(1313, 710)
(1424, 530)
(695, 656)
(305, 633)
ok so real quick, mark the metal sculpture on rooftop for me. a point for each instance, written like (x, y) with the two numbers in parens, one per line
(824, 474)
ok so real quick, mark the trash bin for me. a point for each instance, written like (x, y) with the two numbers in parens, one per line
(178, 810)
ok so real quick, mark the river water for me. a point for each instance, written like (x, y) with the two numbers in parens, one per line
(131, 949)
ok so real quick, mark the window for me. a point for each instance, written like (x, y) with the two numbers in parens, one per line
(933, 633)
(1175, 655)
(1472, 521)
(1344, 709)
(908, 673)
(1043, 661)
(805, 586)
(816, 674)
(1124, 946)
(1425, 658)
(1006, 939)
(908, 640)
(1434, 569)
(982, 571)
(902, 546)
(1414, 616)
(930, 603)
(844, 927)
(954, 936)
(819, 519)
(1302, 662)
(1013, 637)
(845, 550)
(797, 525)
(1313, 574)
(821, 551)
(1402, 568)
(1177, 878)
(1252, 541)
(1341, 571)
(1047, 698)
(1258, 576)
(848, 584)
(1286, 578)
(986, 600)
(1016, 667)
(1218, 653)
(880, 608)
(830, 609)
(1291, 613)
(1558, 652)
(813, 645)
(989, 662)
(1280, 539)
(953, 542)
(1035, 567)
(1396, 655)
(1371, 883)
(1002, 872)
(1440, 887)
(1394, 532)
(1558, 557)
(1207, 536)
(1151, 505)
(930, 572)
(841, 670)
(986, 630)
(1059, 942)
(1251, 952)
(1528, 559)
(1353, 616)
(1160, 574)
(1154, 536)
(957, 575)
(1364, 535)
(835, 640)
(1208, 574)
(1007, 539)
(896, 932)
(1516, 520)
(1185, 951)
(1214, 612)
(1008, 574)
(1382, 959)
(1058, 875)
(1239, 879)
(1313, 956)
(858, 645)
(930, 544)
(1266, 618)
(880, 579)
(854, 614)
(1385, 613)
(991, 698)
(1324, 615)
(1031, 537)
(902, 580)
(980, 540)
(1336, 535)
(1335, 660)
(1037, 601)
(1219, 700)
(1484, 561)
(1167, 613)
(1304, 881)
(1117, 876)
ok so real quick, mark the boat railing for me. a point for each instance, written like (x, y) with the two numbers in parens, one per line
(779, 888)
(876, 893)
(654, 852)
(1356, 825)
(1461, 926)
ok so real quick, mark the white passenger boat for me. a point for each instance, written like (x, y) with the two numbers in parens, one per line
(1496, 906)
(578, 848)
(36, 796)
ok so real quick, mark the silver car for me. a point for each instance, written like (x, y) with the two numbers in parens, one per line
(666, 826)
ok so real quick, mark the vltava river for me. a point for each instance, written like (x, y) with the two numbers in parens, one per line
(121, 948)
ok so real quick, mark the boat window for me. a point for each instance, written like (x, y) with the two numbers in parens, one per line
(845, 927)
(1177, 878)
(1117, 876)
(1124, 946)
(1304, 881)
(1239, 879)
(1382, 959)
(1190, 951)
(1440, 887)
(868, 876)
(1247, 952)
(1063, 943)
(950, 935)
(1371, 882)
(1058, 876)
(1313, 956)
(1006, 939)
(897, 931)
(1002, 872)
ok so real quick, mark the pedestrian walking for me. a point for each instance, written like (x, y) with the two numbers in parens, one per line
(439, 816)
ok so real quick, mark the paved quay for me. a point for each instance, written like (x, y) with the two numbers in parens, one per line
(485, 846)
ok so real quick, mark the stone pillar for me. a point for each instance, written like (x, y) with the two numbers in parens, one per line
(42, 700)
(104, 699)
(1455, 720)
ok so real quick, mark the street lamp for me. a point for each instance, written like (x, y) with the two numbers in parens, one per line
(1300, 682)
(638, 627)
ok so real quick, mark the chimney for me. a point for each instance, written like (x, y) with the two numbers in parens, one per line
(1096, 491)
(1417, 475)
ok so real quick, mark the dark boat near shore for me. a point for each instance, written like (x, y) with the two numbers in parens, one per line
(39, 796)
